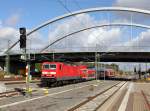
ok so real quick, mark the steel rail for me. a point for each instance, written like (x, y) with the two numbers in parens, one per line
(93, 97)
(146, 99)
(8, 94)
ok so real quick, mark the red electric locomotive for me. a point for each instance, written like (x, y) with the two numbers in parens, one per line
(53, 72)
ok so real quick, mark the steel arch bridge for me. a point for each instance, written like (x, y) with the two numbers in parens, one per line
(86, 11)
(93, 27)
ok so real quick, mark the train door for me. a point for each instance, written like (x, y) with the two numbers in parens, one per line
(84, 73)
(60, 71)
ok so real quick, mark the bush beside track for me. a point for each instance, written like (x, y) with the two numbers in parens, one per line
(1, 74)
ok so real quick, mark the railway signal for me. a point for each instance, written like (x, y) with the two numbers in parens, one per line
(22, 38)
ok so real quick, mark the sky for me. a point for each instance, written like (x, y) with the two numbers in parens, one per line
(31, 13)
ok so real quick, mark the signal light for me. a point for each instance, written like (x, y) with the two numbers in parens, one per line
(22, 37)
(22, 31)
(22, 41)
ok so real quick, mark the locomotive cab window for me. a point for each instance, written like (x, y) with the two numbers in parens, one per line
(46, 66)
(49, 66)
(52, 66)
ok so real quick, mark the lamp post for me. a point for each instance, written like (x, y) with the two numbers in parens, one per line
(104, 75)
(98, 68)
(96, 63)
(96, 59)
(139, 71)
(7, 59)
(53, 56)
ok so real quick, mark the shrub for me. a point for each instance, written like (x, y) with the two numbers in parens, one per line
(2, 74)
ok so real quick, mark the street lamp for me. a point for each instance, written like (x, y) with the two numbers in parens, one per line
(97, 60)
(53, 55)
(98, 69)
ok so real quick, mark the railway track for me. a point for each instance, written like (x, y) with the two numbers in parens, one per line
(19, 91)
(15, 92)
(83, 105)
(9, 94)
(20, 82)
(15, 88)
(146, 100)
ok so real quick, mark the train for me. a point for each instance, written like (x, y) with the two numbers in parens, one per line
(106, 72)
(59, 72)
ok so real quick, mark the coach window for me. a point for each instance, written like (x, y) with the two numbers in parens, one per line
(84, 71)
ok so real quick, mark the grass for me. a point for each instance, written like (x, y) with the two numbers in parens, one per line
(2, 73)
(142, 80)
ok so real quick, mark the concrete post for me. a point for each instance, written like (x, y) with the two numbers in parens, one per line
(7, 59)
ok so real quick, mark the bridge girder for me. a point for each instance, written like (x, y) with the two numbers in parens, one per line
(86, 57)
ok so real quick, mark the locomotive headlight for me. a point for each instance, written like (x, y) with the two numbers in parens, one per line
(48, 72)
(52, 72)
(44, 72)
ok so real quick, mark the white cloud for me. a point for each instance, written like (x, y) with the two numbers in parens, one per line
(71, 25)
(87, 38)
(136, 17)
(105, 38)
(141, 4)
(7, 33)
(35, 41)
(139, 43)
(0, 23)
(12, 20)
